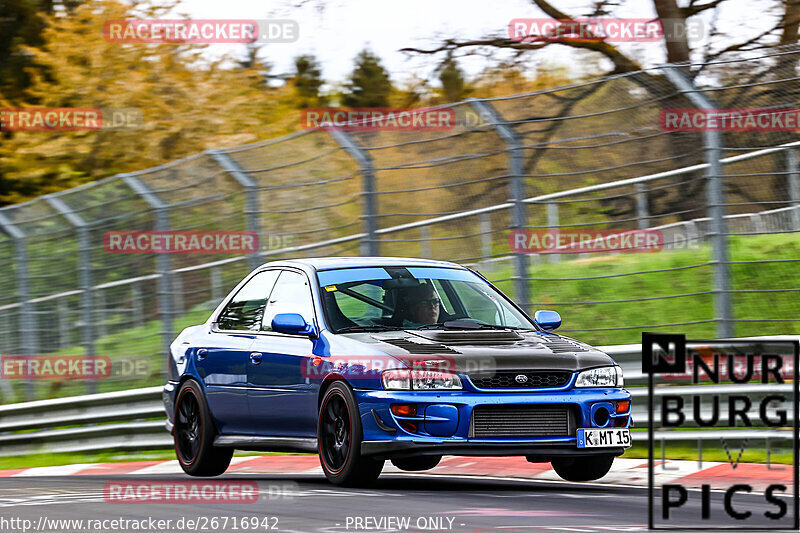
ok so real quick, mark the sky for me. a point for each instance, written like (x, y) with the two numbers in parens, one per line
(336, 30)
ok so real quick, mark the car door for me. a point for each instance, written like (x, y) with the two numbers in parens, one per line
(282, 398)
(223, 358)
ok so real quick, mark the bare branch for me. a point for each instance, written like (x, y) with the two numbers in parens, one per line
(742, 46)
(622, 63)
(448, 45)
(551, 11)
(693, 9)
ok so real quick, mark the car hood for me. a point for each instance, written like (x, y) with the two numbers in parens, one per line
(470, 351)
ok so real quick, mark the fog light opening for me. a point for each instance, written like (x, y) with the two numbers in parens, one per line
(411, 427)
(601, 417)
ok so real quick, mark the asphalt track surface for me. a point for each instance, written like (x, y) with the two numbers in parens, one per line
(308, 503)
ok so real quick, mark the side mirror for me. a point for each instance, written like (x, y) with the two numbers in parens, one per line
(547, 320)
(293, 323)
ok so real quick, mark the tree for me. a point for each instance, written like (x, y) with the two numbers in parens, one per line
(187, 104)
(307, 81)
(22, 23)
(369, 84)
(673, 16)
(783, 31)
(452, 80)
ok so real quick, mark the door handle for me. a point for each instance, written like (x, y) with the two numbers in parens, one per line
(201, 354)
(255, 358)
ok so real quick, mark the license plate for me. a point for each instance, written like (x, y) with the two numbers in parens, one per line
(604, 438)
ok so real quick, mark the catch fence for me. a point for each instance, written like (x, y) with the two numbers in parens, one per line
(588, 156)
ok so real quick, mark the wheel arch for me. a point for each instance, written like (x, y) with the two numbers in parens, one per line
(326, 384)
(190, 377)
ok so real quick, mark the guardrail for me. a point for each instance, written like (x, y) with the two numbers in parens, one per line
(125, 420)
(134, 419)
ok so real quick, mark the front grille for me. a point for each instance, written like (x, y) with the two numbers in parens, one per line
(522, 421)
(521, 379)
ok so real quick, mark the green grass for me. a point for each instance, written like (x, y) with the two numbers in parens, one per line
(59, 459)
(713, 453)
(579, 319)
(143, 343)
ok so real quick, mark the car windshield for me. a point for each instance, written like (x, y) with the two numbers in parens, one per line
(377, 298)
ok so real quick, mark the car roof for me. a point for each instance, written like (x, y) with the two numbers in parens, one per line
(326, 263)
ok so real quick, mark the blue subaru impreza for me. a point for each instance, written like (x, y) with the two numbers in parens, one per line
(367, 359)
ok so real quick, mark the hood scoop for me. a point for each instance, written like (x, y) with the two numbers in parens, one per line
(558, 344)
(419, 348)
(471, 337)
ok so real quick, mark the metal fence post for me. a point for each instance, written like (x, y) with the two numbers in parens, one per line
(63, 324)
(794, 186)
(425, 242)
(552, 223)
(136, 305)
(160, 208)
(486, 241)
(101, 307)
(642, 214)
(716, 201)
(85, 277)
(371, 245)
(177, 293)
(28, 332)
(520, 219)
(252, 211)
(216, 286)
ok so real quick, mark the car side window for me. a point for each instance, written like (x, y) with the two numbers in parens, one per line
(246, 308)
(292, 294)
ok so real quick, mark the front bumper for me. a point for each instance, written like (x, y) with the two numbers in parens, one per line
(450, 430)
(534, 451)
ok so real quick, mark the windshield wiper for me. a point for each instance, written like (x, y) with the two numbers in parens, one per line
(370, 327)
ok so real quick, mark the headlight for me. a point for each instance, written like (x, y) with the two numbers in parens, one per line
(403, 379)
(607, 376)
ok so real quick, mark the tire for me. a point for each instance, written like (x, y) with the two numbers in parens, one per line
(194, 434)
(583, 468)
(415, 464)
(339, 437)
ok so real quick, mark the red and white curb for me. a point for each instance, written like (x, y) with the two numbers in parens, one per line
(624, 471)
